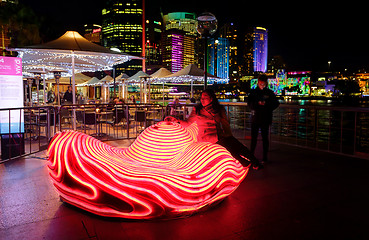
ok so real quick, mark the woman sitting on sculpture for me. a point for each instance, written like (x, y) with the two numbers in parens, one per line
(214, 127)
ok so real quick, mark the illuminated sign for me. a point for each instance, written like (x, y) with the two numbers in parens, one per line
(11, 95)
(288, 86)
(165, 173)
(97, 30)
(299, 73)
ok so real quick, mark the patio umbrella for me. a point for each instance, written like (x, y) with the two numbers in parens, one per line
(190, 74)
(162, 72)
(122, 76)
(105, 80)
(92, 82)
(79, 78)
(140, 77)
(122, 85)
(137, 76)
(70, 52)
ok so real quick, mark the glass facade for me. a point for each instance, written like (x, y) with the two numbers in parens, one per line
(183, 21)
(176, 52)
(218, 60)
(260, 51)
(178, 40)
(122, 29)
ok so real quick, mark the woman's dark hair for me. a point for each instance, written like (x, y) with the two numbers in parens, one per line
(215, 103)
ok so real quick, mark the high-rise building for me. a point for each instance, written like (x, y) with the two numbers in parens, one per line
(172, 43)
(181, 21)
(122, 22)
(178, 50)
(230, 32)
(223, 58)
(178, 40)
(152, 49)
(93, 33)
(260, 49)
(248, 53)
(218, 60)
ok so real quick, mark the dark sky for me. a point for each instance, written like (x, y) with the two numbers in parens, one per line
(307, 35)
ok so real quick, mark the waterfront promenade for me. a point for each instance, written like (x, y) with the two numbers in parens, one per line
(301, 194)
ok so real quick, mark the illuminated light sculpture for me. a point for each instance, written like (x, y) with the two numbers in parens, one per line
(165, 173)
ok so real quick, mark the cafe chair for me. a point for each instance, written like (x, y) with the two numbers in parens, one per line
(140, 119)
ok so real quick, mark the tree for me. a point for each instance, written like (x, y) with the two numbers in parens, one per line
(20, 24)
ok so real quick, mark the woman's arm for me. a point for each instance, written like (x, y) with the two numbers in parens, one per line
(184, 123)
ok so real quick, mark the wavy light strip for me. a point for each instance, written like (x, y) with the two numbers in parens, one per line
(165, 173)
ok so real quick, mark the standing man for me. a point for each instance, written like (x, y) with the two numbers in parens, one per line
(262, 101)
(68, 96)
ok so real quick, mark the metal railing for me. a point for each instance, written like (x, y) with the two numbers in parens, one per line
(108, 122)
(332, 129)
(103, 121)
(32, 136)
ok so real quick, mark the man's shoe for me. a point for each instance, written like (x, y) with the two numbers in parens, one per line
(257, 166)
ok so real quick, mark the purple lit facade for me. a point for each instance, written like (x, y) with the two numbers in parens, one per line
(260, 52)
(177, 52)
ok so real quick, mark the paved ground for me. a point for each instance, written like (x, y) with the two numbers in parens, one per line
(301, 194)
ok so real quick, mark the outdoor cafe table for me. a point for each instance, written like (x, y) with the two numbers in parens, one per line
(100, 120)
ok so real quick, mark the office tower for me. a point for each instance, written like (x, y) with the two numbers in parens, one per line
(218, 61)
(122, 23)
(260, 49)
(230, 32)
(183, 21)
(152, 50)
(93, 33)
(178, 40)
(248, 53)
(172, 42)
(223, 58)
(178, 50)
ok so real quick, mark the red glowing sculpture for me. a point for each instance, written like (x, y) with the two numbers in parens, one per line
(165, 173)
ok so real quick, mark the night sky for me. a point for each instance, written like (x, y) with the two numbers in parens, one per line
(307, 35)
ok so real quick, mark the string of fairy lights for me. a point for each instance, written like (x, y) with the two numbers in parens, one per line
(52, 60)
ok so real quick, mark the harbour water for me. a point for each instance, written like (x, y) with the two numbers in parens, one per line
(320, 124)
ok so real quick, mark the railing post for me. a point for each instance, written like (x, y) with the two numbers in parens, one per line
(355, 126)
(128, 122)
(341, 131)
(316, 134)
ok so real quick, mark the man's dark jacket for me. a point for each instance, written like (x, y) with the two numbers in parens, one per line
(68, 96)
(262, 114)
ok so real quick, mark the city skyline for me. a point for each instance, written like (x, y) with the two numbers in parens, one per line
(306, 37)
